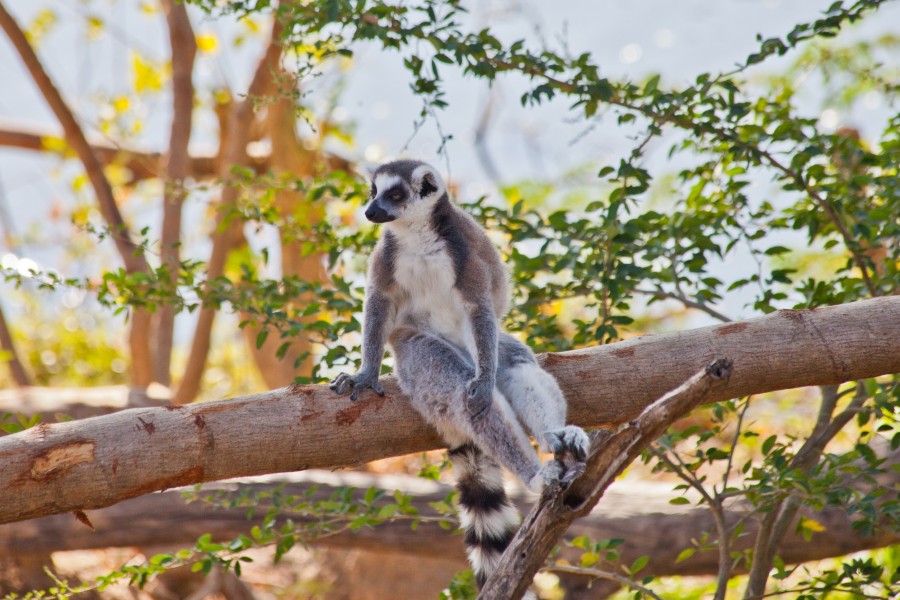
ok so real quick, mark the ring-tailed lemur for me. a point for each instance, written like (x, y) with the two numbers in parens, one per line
(436, 290)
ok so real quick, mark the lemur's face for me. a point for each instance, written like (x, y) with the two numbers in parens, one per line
(403, 191)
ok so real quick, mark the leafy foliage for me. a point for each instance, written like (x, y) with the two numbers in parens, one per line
(807, 212)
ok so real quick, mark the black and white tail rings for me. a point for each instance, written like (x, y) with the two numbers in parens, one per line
(486, 514)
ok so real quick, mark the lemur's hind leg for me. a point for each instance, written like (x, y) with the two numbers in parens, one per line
(435, 375)
(538, 402)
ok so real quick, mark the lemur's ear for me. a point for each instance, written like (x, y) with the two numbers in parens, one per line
(428, 184)
(366, 171)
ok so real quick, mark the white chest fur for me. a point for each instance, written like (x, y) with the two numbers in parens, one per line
(424, 270)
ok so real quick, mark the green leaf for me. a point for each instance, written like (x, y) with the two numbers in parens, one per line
(638, 564)
(261, 338)
(685, 554)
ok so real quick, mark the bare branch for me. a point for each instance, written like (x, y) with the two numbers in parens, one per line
(601, 574)
(19, 375)
(131, 254)
(680, 297)
(610, 454)
(142, 164)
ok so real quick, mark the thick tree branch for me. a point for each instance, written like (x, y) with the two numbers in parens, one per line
(100, 461)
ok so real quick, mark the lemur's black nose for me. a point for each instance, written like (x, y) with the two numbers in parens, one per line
(376, 214)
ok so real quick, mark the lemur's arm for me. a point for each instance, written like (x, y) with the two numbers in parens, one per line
(378, 314)
(484, 327)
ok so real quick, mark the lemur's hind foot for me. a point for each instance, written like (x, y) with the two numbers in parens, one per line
(570, 446)
(551, 473)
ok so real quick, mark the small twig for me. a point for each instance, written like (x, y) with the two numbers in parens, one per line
(718, 514)
(696, 304)
(481, 129)
(601, 574)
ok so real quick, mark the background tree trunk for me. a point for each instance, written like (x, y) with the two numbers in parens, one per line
(234, 137)
(184, 51)
(290, 158)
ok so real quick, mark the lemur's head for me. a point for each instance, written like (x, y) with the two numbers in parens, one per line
(404, 191)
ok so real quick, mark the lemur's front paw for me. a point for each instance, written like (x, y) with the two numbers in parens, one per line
(479, 396)
(344, 383)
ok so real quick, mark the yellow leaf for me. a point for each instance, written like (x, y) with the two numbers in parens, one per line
(207, 43)
(40, 26)
(95, 27)
(79, 182)
(147, 76)
(250, 24)
(811, 525)
(222, 97)
(120, 104)
(54, 144)
(589, 559)
(117, 174)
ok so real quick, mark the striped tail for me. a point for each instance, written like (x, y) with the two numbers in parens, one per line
(487, 516)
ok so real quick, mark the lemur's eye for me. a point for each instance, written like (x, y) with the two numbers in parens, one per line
(374, 190)
(396, 195)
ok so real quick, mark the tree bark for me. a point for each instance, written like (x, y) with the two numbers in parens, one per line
(97, 462)
(184, 50)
